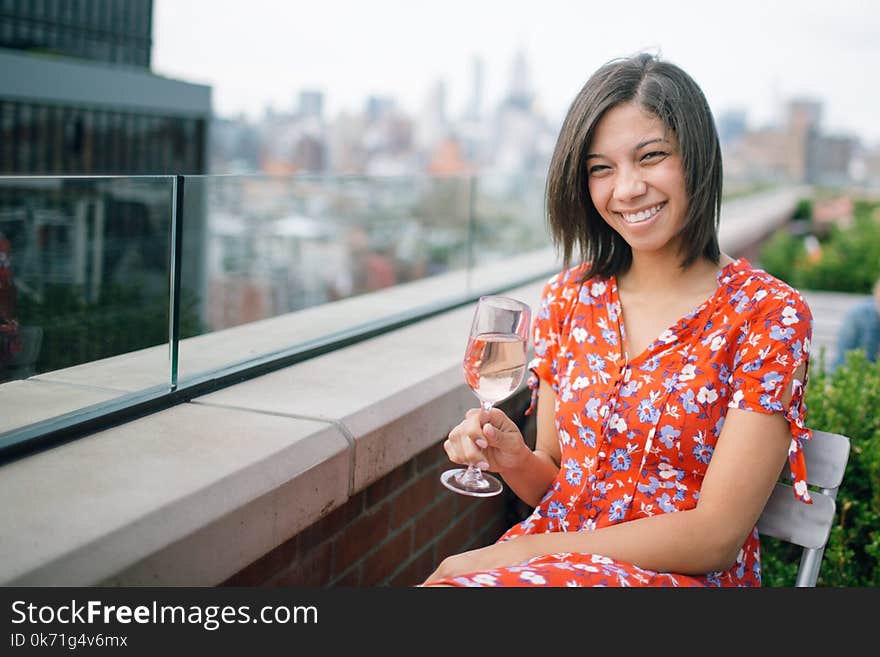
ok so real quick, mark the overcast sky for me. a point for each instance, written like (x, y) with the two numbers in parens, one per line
(749, 54)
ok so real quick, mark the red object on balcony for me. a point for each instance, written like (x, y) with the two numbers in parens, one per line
(9, 339)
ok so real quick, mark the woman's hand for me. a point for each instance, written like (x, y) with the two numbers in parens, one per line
(497, 555)
(489, 440)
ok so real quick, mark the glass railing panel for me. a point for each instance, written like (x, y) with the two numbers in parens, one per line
(312, 257)
(508, 216)
(84, 292)
(510, 241)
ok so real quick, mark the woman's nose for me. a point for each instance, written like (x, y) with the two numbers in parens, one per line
(629, 185)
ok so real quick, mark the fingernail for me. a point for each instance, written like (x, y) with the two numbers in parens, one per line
(482, 465)
(482, 443)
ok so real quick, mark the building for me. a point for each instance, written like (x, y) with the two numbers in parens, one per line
(732, 126)
(804, 118)
(118, 31)
(77, 95)
(871, 166)
(77, 98)
(834, 157)
(798, 151)
(474, 111)
(311, 104)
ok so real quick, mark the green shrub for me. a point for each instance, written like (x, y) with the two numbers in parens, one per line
(803, 209)
(779, 255)
(849, 260)
(847, 402)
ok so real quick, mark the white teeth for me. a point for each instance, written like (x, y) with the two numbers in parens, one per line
(642, 216)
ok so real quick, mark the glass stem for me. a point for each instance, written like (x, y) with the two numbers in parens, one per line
(474, 473)
(473, 476)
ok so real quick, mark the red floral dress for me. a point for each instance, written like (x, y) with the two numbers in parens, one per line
(637, 434)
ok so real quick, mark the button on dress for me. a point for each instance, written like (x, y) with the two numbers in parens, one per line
(637, 433)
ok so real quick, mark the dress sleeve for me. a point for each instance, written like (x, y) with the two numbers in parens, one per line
(771, 347)
(555, 304)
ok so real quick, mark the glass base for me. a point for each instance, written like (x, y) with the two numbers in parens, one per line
(459, 481)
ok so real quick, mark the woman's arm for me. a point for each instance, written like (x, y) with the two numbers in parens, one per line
(745, 465)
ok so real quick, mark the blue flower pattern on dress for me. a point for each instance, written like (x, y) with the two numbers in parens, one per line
(647, 413)
(610, 337)
(596, 363)
(703, 453)
(573, 472)
(687, 400)
(668, 434)
(620, 460)
(779, 333)
(587, 436)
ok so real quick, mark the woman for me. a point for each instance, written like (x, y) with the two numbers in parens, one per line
(668, 376)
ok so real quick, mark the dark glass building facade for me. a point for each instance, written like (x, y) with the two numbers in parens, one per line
(116, 31)
(46, 138)
(77, 95)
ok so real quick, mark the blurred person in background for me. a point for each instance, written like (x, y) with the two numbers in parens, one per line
(860, 329)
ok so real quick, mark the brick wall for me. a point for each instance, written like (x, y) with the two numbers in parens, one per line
(393, 533)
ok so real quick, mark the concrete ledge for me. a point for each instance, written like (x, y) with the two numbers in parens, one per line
(186, 496)
(27, 401)
(193, 494)
(746, 219)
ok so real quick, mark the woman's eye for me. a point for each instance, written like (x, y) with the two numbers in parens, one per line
(597, 169)
(654, 155)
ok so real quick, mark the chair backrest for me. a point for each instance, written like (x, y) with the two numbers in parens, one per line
(808, 525)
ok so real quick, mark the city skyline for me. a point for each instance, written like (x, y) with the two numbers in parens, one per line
(763, 57)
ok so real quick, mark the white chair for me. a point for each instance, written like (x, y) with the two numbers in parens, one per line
(808, 525)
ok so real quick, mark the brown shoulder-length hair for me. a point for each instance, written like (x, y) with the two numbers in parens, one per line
(667, 92)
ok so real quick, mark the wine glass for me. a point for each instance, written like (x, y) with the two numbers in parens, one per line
(494, 365)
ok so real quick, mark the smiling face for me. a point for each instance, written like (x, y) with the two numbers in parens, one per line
(636, 179)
